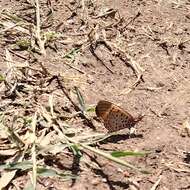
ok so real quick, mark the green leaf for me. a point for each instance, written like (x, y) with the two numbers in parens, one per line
(51, 36)
(41, 171)
(90, 109)
(13, 17)
(17, 165)
(1, 78)
(127, 153)
(76, 150)
(27, 120)
(48, 172)
(71, 54)
(23, 44)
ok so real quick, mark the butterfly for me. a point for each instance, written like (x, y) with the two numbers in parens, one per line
(114, 117)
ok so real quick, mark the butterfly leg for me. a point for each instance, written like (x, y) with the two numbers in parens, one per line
(132, 131)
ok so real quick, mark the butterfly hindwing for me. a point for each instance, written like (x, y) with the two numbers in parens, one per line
(114, 117)
(118, 119)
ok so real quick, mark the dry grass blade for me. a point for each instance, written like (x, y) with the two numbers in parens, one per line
(92, 50)
(33, 152)
(11, 134)
(105, 155)
(90, 138)
(51, 105)
(154, 187)
(38, 29)
(76, 145)
(110, 12)
(179, 170)
(8, 58)
(80, 99)
(8, 25)
(75, 68)
(114, 159)
(7, 176)
(77, 108)
(186, 126)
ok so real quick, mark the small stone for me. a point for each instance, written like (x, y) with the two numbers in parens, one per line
(72, 2)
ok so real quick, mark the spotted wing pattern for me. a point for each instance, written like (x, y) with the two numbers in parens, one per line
(114, 117)
(118, 119)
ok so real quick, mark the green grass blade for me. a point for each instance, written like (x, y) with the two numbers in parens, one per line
(48, 172)
(25, 165)
(90, 109)
(127, 153)
(80, 99)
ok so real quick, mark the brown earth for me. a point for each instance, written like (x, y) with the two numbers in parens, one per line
(153, 35)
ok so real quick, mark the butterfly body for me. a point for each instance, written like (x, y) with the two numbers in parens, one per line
(114, 117)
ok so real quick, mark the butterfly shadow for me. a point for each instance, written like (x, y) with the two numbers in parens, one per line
(100, 172)
(120, 137)
(73, 164)
(187, 157)
(111, 183)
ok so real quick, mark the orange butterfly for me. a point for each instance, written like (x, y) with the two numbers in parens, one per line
(114, 117)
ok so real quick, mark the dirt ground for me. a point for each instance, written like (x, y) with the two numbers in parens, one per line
(134, 53)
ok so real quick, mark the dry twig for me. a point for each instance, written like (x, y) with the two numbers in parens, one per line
(154, 187)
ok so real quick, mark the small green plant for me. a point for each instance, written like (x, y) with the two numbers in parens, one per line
(23, 44)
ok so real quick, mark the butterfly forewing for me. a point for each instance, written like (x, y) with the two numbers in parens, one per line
(115, 118)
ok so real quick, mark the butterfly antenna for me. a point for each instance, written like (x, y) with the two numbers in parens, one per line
(139, 118)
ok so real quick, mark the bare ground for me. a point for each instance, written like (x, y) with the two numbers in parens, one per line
(102, 47)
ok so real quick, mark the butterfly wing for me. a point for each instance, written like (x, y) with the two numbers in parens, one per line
(103, 108)
(118, 119)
